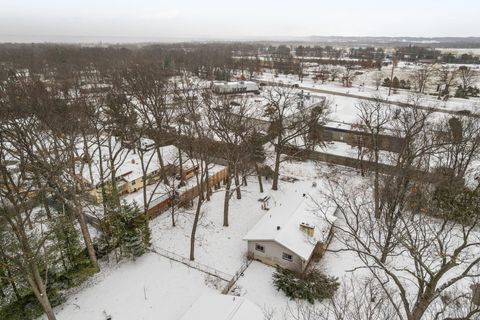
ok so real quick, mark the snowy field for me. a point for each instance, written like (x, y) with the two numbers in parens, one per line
(154, 287)
(222, 247)
(257, 285)
(159, 288)
(346, 105)
(150, 288)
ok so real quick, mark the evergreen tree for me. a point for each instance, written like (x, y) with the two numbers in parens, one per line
(386, 82)
(395, 84)
(135, 237)
(312, 285)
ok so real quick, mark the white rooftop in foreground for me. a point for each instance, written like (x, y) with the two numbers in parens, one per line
(213, 306)
(283, 226)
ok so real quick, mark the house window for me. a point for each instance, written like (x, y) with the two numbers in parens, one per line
(133, 182)
(286, 256)
(259, 248)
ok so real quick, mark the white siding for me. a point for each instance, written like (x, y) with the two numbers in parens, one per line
(273, 255)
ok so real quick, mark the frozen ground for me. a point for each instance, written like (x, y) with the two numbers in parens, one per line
(154, 287)
(150, 288)
(256, 283)
(222, 247)
(346, 105)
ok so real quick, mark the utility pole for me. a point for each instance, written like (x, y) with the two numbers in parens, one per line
(394, 61)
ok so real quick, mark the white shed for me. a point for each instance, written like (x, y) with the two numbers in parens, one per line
(289, 238)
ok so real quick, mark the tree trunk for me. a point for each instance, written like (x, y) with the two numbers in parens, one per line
(277, 168)
(88, 240)
(260, 183)
(376, 182)
(40, 291)
(162, 167)
(237, 184)
(174, 198)
(376, 195)
(207, 183)
(194, 229)
(226, 202)
(420, 307)
(180, 169)
(386, 246)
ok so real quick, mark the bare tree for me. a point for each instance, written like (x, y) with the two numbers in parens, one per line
(348, 75)
(447, 78)
(374, 116)
(290, 118)
(378, 78)
(422, 76)
(355, 300)
(196, 142)
(467, 76)
(433, 239)
(230, 119)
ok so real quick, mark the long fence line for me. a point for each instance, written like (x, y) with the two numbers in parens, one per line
(230, 279)
(237, 275)
(383, 168)
(193, 264)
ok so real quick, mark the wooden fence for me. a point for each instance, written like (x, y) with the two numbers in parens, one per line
(359, 164)
(184, 197)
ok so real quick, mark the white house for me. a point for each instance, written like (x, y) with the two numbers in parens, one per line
(214, 306)
(291, 238)
(234, 87)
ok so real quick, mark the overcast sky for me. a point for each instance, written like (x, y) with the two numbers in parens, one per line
(47, 20)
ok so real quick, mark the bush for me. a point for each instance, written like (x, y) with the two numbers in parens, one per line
(465, 93)
(311, 286)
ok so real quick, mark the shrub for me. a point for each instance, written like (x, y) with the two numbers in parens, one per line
(312, 285)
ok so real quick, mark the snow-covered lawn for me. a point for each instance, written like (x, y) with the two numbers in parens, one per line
(154, 287)
(216, 246)
(222, 247)
(257, 285)
(151, 287)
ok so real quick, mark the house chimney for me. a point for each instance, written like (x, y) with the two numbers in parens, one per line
(307, 228)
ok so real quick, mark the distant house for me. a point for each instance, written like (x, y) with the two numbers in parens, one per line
(214, 306)
(129, 174)
(234, 87)
(291, 239)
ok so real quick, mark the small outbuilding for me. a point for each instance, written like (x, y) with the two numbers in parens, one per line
(291, 239)
(230, 87)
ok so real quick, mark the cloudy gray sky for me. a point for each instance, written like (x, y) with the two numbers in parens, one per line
(63, 20)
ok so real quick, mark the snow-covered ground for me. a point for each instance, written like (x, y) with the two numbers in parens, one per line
(154, 287)
(222, 247)
(216, 246)
(453, 104)
(151, 287)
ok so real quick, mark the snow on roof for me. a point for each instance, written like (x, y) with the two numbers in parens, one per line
(128, 164)
(289, 234)
(234, 83)
(214, 306)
